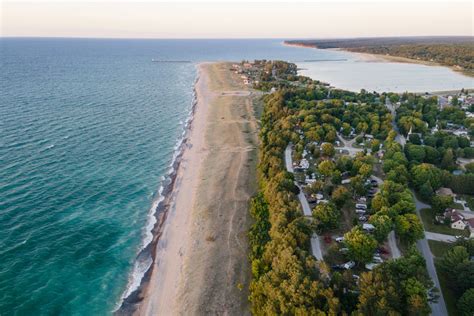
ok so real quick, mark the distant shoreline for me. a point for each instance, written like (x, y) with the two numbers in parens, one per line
(381, 57)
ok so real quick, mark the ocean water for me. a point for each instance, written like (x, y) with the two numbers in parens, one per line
(88, 130)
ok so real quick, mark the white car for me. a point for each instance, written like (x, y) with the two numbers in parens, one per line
(362, 200)
(377, 259)
(371, 266)
(359, 211)
(361, 206)
(368, 227)
(349, 265)
(339, 239)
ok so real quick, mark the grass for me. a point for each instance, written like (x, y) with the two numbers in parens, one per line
(428, 218)
(438, 248)
(457, 206)
(448, 294)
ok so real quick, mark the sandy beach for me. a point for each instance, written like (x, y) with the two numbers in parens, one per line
(201, 264)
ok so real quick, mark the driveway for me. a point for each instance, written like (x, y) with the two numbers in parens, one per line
(440, 237)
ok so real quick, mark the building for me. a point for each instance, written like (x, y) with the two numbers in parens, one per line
(470, 224)
(459, 224)
(445, 192)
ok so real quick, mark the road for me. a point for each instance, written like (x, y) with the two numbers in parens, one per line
(440, 237)
(315, 239)
(438, 308)
(399, 138)
(348, 146)
(392, 243)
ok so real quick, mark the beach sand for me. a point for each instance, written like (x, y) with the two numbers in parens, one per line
(201, 265)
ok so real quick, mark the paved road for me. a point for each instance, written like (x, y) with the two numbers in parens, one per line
(392, 243)
(439, 237)
(438, 308)
(315, 240)
(348, 146)
(399, 138)
(288, 159)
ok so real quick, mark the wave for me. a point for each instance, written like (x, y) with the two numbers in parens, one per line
(146, 255)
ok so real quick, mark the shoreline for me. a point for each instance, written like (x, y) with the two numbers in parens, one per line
(159, 211)
(370, 57)
(199, 248)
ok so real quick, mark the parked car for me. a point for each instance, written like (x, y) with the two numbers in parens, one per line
(359, 211)
(377, 259)
(363, 218)
(371, 266)
(344, 250)
(361, 206)
(339, 239)
(368, 227)
(349, 265)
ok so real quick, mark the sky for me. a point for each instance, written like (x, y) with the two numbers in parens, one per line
(231, 19)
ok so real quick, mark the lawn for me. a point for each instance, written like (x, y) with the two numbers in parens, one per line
(449, 297)
(428, 218)
(438, 248)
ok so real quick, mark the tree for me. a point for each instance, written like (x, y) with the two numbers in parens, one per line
(469, 167)
(426, 173)
(375, 145)
(415, 152)
(383, 226)
(463, 277)
(448, 160)
(340, 195)
(454, 257)
(466, 303)
(326, 167)
(396, 287)
(328, 149)
(326, 216)
(409, 228)
(361, 245)
(365, 170)
(440, 203)
(426, 191)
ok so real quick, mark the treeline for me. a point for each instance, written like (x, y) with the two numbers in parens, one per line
(461, 55)
(445, 50)
(286, 278)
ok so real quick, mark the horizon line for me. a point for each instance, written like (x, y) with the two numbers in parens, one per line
(224, 38)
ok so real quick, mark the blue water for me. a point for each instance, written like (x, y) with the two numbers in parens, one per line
(88, 129)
